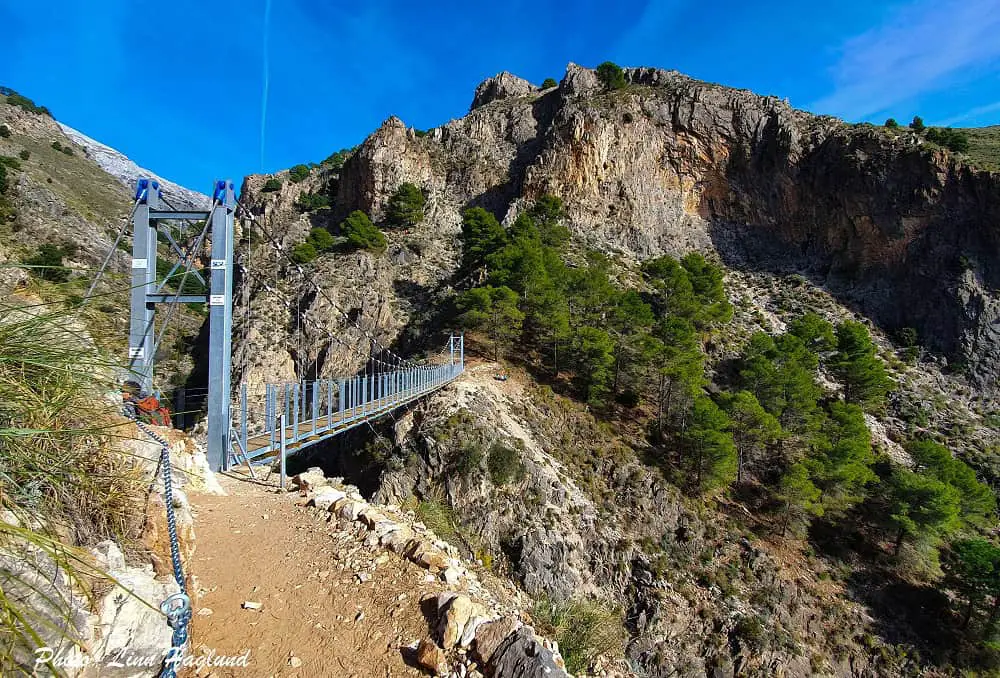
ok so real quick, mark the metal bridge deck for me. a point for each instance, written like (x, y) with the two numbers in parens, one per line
(310, 423)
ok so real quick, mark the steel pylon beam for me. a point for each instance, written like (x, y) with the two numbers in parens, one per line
(146, 294)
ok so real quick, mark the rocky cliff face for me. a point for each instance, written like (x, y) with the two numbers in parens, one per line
(586, 517)
(906, 233)
(898, 232)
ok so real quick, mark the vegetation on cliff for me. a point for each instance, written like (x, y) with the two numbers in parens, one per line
(764, 426)
(62, 483)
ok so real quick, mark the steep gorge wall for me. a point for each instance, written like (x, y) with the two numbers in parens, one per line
(904, 232)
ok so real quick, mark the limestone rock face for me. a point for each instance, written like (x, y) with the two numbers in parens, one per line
(491, 635)
(579, 80)
(522, 654)
(501, 86)
(126, 624)
(901, 231)
(432, 658)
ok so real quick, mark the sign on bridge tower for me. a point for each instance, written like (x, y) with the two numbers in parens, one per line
(148, 291)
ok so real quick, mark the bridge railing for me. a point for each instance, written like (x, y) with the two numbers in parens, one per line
(314, 410)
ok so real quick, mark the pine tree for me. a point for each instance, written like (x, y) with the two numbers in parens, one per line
(781, 375)
(671, 287)
(680, 368)
(816, 333)
(709, 452)
(972, 569)
(549, 313)
(922, 508)
(855, 363)
(978, 502)
(589, 291)
(800, 497)
(752, 427)
(707, 282)
(842, 458)
(321, 239)
(629, 321)
(611, 75)
(482, 235)
(593, 352)
(495, 310)
(406, 206)
(362, 233)
(548, 214)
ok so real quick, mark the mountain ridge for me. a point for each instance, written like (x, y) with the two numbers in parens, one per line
(126, 170)
(802, 212)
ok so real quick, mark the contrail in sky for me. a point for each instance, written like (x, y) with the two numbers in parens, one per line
(267, 80)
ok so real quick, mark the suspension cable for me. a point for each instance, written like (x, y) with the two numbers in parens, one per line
(111, 253)
(319, 290)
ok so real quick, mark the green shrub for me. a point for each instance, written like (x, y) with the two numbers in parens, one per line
(891, 123)
(361, 233)
(23, 102)
(750, 630)
(611, 75)
(47, 263)
(440, 519)
(584, 629)
(63, 482)
(336, 160)
(64, 149)
(549, 83)
(469, 458)
(917, 125)
(10, 162)
(321, 239)
(3, 179)
(304, 252)
(406, 206)
(307, 202)
(271, 185)
(505, 464)
(954, 140)
(907, 336)
(4, 131)
(24, 155)
(298, 173)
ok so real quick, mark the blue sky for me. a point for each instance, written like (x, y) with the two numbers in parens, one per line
(178, 87)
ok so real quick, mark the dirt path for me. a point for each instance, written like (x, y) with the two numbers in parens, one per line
(317, 618)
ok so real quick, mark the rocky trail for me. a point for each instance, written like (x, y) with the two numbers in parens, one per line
(319, 582)
(316, 616)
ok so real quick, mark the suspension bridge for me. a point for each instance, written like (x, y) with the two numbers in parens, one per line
(285, 416)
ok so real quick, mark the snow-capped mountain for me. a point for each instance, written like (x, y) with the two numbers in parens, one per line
(118, 165)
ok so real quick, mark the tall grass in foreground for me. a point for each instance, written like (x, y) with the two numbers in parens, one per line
(584, 629)
(62, 483)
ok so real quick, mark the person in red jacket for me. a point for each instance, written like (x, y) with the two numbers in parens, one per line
(144, 408)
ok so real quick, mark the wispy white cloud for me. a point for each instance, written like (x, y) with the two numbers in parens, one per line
(922, 47)
(265, 78)
(971, 113)
(647, 33)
